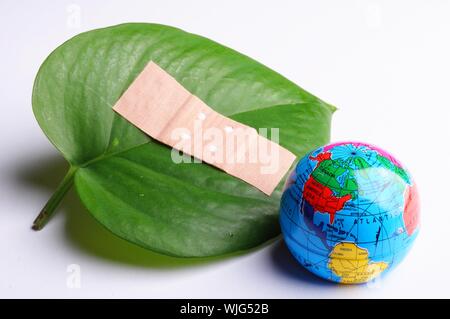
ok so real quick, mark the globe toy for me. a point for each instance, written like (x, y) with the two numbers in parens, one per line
(349, 212)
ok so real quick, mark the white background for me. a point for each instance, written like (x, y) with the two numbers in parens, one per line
(385, 64)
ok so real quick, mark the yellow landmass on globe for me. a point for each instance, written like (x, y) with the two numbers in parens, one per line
(351, 263)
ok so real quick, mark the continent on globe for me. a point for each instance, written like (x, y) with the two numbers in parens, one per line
(322, 199)
(351, 263)
(321, 157)
(334, 175)
(411, 210)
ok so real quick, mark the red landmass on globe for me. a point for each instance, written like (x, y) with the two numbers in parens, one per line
(322, 199)
(321, 157)
(411, 211)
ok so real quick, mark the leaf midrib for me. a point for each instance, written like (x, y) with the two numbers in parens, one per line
(104, 157)
(108, 155)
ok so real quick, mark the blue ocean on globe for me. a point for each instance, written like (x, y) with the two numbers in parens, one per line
(349, 212)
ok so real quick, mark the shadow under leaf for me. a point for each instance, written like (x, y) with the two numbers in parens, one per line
(84, 233)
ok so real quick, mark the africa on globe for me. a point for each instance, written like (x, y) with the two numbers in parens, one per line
(349, 212)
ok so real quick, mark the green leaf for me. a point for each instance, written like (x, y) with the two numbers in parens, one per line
(127, 180)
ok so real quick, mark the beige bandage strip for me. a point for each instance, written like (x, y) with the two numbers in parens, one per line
(161, 107)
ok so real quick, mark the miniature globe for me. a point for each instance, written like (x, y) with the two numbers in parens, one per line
(349, 212)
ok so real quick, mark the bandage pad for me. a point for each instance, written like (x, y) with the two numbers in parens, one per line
(162, 108)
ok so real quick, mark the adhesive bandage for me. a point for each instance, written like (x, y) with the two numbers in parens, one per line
(161, 107)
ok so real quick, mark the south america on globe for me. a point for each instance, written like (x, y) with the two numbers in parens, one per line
(349, 212)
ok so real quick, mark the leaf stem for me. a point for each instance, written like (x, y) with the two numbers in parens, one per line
(49, 209)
